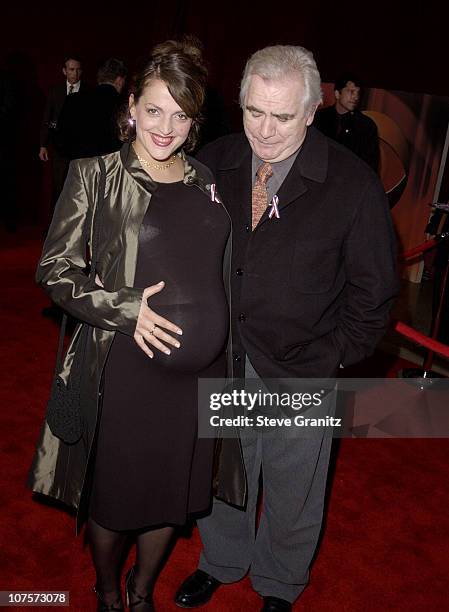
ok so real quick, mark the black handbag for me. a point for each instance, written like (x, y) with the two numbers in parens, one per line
(64, 414)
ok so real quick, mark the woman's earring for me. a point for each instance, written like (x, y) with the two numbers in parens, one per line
(131, 121)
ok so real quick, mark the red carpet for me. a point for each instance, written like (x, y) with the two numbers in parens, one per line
(386, 541)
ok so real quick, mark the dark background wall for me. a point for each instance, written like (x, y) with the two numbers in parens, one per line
(390, 45)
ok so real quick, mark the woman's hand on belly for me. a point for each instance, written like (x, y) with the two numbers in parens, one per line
(205, 330)
(150, 326)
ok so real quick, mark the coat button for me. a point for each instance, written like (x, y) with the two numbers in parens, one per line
(236, 357)
(242, 317)
(239, 271)
(247, 228)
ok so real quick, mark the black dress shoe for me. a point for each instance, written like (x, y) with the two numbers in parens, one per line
(196, 590)
(275, 604)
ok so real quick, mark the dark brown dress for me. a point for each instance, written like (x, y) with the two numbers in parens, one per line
(150, 467)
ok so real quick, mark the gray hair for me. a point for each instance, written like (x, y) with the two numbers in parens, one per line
(282, 61)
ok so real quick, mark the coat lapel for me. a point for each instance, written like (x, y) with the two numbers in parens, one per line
(310, 163)
(139, 188)
(241, 187)
(192, 178)
(235, 179)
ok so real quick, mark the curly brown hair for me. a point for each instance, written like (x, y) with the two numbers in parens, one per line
(180, 65)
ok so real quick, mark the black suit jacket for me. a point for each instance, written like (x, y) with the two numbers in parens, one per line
(88, 122)
(55, 102)
(353, 130)
(314, 288)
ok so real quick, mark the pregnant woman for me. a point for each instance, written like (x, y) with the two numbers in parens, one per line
(158, 320)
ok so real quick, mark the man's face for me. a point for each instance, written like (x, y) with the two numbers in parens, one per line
(273, 117)
(348, 98)
(72, 71)
(119, 83)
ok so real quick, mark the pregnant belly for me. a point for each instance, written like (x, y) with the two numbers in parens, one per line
(205, 331)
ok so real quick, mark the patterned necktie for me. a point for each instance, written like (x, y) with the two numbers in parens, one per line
(71, 88)
(260, 196)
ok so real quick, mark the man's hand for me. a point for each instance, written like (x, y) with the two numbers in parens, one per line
(149, 326)
(43, 154)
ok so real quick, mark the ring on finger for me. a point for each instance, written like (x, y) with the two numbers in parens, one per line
(153, 330)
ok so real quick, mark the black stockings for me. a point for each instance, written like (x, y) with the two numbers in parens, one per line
(108, 548)
(150, 549)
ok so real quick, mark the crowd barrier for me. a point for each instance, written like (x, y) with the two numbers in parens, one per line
(429, 342)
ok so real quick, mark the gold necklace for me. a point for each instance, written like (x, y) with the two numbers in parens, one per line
(148, 164)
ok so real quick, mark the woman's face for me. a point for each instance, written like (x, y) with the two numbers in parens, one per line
(161, 125)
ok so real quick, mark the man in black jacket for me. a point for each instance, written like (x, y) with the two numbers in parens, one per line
(88, 124)
(51, 146)
(313, 280)
(346, 124)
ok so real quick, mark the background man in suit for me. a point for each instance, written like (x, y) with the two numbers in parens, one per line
(346, 124)
(50, 144)
(312, 286)
(88, 122)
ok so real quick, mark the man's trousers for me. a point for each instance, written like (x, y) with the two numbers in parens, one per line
(279, 552)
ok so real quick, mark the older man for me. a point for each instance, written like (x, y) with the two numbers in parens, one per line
(313, 282)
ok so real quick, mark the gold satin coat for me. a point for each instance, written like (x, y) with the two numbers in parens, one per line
(60, 470)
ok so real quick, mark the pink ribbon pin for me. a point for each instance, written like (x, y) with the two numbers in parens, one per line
(274, 208)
